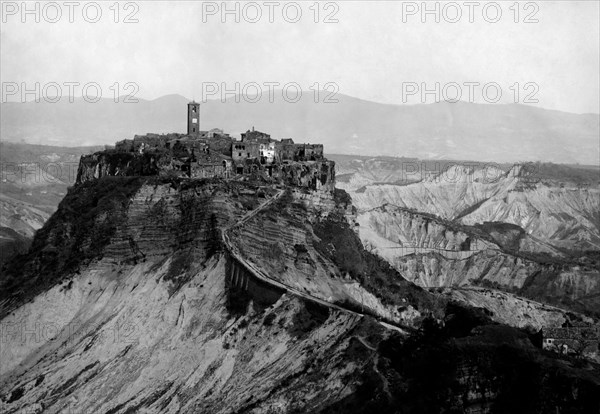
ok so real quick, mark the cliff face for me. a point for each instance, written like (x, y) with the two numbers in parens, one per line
(288, 240)
(112, 163)
(140, 313)
(315, 175)
(124, 220)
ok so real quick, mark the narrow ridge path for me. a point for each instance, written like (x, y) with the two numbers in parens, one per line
(259, 274)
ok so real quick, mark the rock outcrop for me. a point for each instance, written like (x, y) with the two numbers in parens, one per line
(124, 220)
(114, 163)
(315, 175)
(128, 307)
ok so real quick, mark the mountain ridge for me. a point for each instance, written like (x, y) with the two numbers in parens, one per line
(181, 97)
(462, 130)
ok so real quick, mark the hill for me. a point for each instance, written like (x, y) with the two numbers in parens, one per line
(150, 301)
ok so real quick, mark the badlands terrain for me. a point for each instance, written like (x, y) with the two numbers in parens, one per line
(386, 295)
(34, 178)
(529, 229)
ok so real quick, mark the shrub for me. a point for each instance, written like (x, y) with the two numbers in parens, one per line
(338, 242)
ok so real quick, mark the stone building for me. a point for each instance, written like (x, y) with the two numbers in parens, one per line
(577, 340)
(193, 119)
(213, 153)
(255, 136)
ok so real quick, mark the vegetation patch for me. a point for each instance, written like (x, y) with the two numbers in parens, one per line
(311, 316)
(269, 319)
(237, 301)
(180, 270)
(338, 242)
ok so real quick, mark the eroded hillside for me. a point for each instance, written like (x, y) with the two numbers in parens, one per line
(34, 178)
(563, 215)
(525, 232)
(134, 306)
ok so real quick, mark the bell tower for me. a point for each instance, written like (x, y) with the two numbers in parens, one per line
(193, 118)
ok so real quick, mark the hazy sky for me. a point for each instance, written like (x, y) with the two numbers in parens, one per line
(369, 53)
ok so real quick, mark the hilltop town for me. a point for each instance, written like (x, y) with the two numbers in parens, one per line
(213, 154)
(215, 260)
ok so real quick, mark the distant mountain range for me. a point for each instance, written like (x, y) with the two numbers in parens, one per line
(501, 133)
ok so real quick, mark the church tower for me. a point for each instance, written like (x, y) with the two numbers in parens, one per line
(193, 118)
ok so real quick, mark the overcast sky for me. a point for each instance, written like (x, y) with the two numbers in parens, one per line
(369, 53)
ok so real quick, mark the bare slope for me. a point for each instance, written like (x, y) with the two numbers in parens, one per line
(565, 215)
(141, 315)
(532, 234)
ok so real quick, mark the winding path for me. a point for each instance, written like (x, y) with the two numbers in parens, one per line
(259, 274)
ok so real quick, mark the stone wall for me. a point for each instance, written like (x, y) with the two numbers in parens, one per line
(315, 175)
(115, 163)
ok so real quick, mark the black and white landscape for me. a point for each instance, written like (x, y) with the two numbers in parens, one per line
(300, 207)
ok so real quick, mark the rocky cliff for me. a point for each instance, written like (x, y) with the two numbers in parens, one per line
(117, 163)
(306, 242)
(126, 303)
(124, 220)
(315, 175)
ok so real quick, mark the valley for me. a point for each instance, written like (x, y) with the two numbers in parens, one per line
(521, 229)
